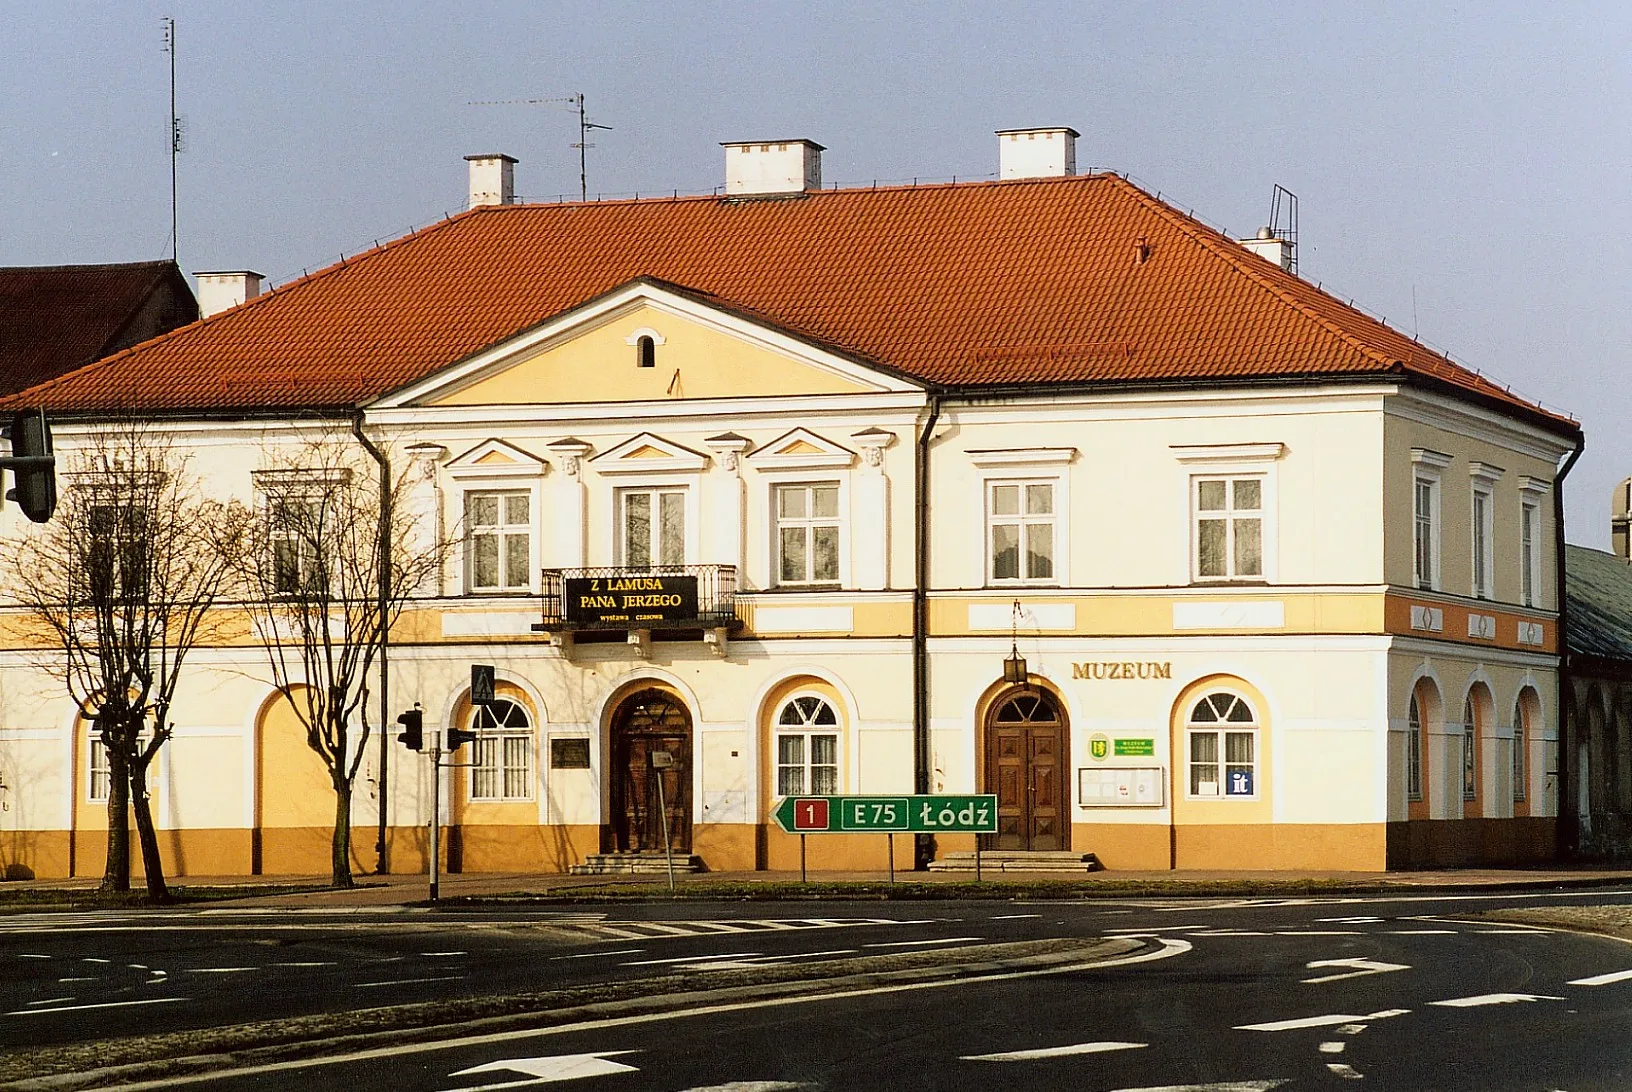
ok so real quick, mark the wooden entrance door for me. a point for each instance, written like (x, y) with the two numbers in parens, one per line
(647, 722)
(1026, 767)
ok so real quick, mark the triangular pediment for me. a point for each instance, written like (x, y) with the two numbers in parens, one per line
(647, 453)
(497, 458)
(802, 449)
(646, 342)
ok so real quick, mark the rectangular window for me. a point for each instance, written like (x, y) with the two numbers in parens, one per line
(1519, 744)
(807, 533)
(807, 763)
(294, 529)
(119, 555)
(653, 527)
(99, 780)
(1236, 775)
(1470, 763)
(1229, 528)
(1481, 544)
(1413, 754)
(1426, 555)
(1527, 553)
(1020, 524)
(498, 541)
(502, 767)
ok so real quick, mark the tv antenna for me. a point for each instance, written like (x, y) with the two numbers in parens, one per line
(1283, 222)
(177, 131)
(574, 103)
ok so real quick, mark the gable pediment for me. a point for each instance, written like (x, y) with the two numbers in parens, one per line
(640, 343)
(802, 449)
(648, 453)
(495, 458)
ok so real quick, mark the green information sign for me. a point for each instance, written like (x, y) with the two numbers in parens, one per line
(887, 814)
(1141, 748)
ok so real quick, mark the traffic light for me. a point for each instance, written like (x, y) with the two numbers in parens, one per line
(413, 729)
(458, 737)
(32, 465)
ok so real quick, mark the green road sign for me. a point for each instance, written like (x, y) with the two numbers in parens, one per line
(887, 814)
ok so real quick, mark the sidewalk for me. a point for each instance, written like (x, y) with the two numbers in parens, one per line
(399, 890)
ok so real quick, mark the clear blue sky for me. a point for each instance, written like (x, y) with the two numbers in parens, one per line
(1463, 168)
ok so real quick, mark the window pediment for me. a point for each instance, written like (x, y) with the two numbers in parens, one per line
(1022, 457)
(802, 449)
(495, 458)
(649, 453)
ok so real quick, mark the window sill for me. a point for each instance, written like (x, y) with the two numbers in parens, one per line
(797, 589)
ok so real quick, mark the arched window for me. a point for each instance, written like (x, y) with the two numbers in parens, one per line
(1413, 751)
(807, 747)
(1521, 741)
(502, 766)
(646, 352)
(1470, 750)
(1222, 735)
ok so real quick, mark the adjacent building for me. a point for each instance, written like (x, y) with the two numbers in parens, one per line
(785, 483)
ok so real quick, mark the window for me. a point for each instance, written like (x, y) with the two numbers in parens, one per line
(502, 765)
(100, 780)
(807, 533)
(807, 747)
(294, 529)
(1470, 751)
(1481, 536)
(498, 541)
(646, 352)
(119, 554)
(1413, 751)
(1426, 546)
(1521, 740)
(1528, 566)
(1020, 531)
(1229, 528)
(1223, 744)
(654, 527)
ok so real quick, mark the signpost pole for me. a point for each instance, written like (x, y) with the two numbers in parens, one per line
(436, 816)
(801, 858)
(891, 837)
(668, 846)
(977, 858)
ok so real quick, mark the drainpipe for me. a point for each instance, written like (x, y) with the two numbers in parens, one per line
(1567, 830)
(923, 845)
(383, 603)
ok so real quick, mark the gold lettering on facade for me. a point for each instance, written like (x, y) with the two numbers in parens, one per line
(1123, 669)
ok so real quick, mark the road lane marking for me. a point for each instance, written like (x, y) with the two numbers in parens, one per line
(93, 979)
(1321, 1021)
(312, 963)
(1494, 999)
(1423, 932)
(1351, 1029)
(562, 1067)
(219, 970)
(101, 1005)
(765, 961)
(1017, 917)
(1343, 1069)
(30, 955)
(689, 959)
(1333, 1046)
(1347, 921)
(1360, 968)
(1228, 933)
(51, 1001)
(411, 981)
(1051, 1052)
(1319, 933)
(93, 959)
(597, 955)
(1222, 1086)
(442, 955)
(1601, 979)
(910, 943)
(1514, 932)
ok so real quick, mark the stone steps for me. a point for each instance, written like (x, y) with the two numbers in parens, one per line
(635, 864)
(1013, 860)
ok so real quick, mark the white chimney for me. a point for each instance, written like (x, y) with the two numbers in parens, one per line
(1037, 153)
(221, 289)
(492, 179)
(1620, 520)
(777, 166)
(1272, 247)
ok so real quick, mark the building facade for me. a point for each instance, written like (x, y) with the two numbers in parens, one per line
(774, 484)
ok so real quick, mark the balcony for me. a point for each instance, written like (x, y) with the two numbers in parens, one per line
(659, 598)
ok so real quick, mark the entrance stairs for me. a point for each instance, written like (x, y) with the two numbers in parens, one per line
(1014, 860)
(635, 864)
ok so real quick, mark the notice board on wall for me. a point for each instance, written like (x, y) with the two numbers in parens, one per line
(1121, 786)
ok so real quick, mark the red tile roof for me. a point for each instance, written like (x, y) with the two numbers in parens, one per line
(54, 319)
(1069, 280)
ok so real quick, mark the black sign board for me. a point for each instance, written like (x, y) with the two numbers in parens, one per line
(481, 684)
(634, 599)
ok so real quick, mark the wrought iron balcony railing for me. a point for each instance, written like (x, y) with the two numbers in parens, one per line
(661, 597)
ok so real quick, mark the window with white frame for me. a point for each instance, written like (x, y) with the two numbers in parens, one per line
(498, 540)
(1020, 526)
(1425, 502)
(100, 780)
(1529, 559)
(1413, 751)
(120, 554)
(502, 763)
(807, 747)
(1470, 751)
(1229, 527)
(294, 530)
(652, 527)
(1521, 740)
(1481, 509)
(807, 533)
(1221, 737)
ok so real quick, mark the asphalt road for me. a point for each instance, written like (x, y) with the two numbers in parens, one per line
(1245, 994)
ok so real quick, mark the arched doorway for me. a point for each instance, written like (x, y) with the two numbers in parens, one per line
(647, 726)
(1026, 749)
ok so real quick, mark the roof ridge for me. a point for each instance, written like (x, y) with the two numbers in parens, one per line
(1208, 238)
(242, 308)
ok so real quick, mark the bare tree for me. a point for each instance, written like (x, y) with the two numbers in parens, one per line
(334, 554)
(124, 578)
